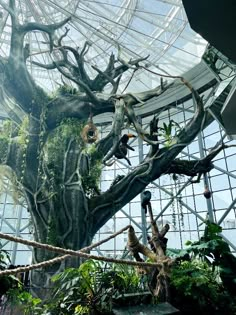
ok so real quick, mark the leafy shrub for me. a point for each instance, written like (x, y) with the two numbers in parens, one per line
(204, 274)
(89, 289)
(8, 284)
(196, 287)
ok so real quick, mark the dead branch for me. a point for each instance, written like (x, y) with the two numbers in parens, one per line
(159, 276)
(91, 96)
(10, 9)
(197, 168)
(50, 66)
(49, 29)
(62, 36)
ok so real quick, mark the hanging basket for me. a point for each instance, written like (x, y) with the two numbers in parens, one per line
(89, 133)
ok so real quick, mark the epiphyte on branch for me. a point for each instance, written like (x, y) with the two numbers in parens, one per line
(123, 147)
(145, 199)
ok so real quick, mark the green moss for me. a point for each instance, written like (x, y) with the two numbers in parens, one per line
(91, 180)
(56, 146)
(52, 235)
(23, 132)
(5, 135)
(64, 90)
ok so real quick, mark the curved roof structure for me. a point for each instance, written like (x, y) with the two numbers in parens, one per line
(132, 28)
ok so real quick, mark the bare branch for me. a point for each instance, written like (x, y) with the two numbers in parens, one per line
(103, 74)
(85, 49)
(111, 63)
(79, 71)
(134, 98)
(130, 79)
(113, 72)
(49, 29)
(131, 62)
(116, 85)
(9, 8)
(135, 246)
(81, 84)
(62, 36)
(51, 66)
(196, 168)
(154, 136)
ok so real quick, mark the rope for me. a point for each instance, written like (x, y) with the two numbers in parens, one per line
(70, 253)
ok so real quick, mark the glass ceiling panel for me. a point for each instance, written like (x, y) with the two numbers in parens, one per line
(158, 28)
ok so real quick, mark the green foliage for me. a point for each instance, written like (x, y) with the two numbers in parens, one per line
(213, 246)
(9, 129)
(9, 184)
(6, 128)
(4, 258)
(23, 132)
(9, 285)
(194, 278)
(126, 279)
(205, 273)
(25, 302)
(56, 146)
(169, 132)
(8, 180)
(65, 90)
(52, 234)
(29, 304)
(91, 180)
(196, 286)
(82, 310)
(88, 289)
(5, 135)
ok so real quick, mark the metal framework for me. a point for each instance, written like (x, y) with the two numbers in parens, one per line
(158, 28)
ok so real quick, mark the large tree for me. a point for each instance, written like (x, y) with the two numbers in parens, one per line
(46, 158)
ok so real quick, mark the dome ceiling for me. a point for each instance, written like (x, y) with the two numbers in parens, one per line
(132, 28)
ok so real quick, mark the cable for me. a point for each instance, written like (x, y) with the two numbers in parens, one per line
(137, 10)
(134, 30)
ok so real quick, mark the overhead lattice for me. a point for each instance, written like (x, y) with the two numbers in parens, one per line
(158, 28)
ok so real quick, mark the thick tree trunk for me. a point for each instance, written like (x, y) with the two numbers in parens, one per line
(59, 211)
(62, 221)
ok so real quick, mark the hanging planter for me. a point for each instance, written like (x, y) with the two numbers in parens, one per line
(207, 193)
(89, 133)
